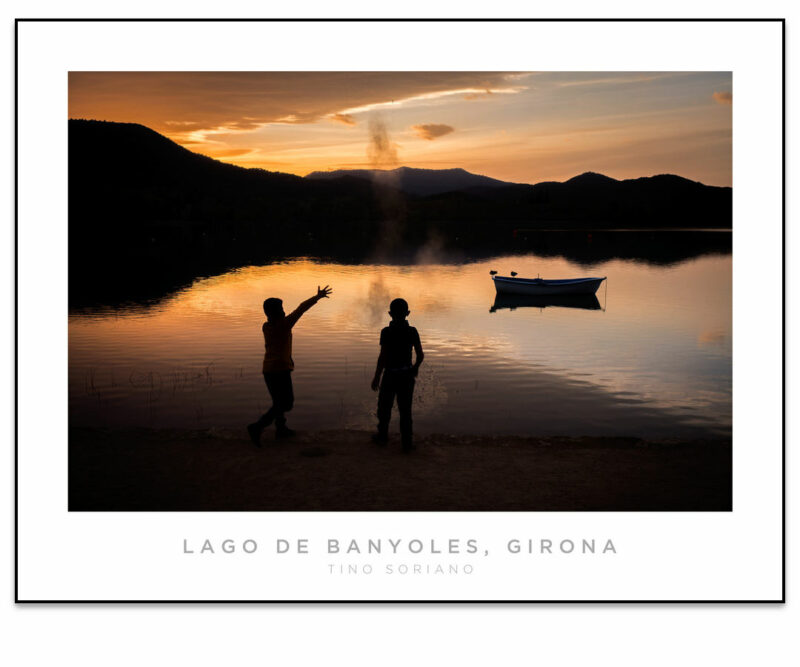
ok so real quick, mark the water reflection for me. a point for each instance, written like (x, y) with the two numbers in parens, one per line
(128, 284)
(514, 301)
(657, 362)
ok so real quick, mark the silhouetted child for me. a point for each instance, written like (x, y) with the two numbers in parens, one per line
(394, 363)
(278, 364)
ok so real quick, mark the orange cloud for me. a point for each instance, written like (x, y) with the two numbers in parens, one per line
(233, 152)
(344, 118)
(477, 96)
(723, 97)
(431, 131)
(216, 102)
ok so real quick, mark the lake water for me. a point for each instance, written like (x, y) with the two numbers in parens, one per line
(654, 360)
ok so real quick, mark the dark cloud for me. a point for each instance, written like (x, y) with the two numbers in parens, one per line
(723, 97)
(431, 131)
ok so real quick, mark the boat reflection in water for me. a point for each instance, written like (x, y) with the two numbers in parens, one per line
(514, 301)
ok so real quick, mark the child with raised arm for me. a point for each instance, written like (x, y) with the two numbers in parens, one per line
(394, 364)
(278, 364)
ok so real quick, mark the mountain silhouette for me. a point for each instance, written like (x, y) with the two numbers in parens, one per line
(416, 181)
(133, 173)
(145, 208)
(141, 164)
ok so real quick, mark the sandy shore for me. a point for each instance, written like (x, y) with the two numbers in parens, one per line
(182, 470)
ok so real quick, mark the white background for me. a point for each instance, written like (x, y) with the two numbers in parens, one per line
(660, 556)
(620, 634)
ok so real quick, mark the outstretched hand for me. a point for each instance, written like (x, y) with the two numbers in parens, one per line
(324, 292)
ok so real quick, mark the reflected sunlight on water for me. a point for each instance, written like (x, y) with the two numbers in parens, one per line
(655, 362)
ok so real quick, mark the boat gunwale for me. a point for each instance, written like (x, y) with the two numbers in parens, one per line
(546, 281)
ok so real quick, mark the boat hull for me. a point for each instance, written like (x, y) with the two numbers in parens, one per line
(542, 287)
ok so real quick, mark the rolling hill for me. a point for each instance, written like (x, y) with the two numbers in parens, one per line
(416, 181)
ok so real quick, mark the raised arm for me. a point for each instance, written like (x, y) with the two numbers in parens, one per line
(303, 307)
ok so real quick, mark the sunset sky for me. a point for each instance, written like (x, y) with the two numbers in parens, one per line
(521, 127)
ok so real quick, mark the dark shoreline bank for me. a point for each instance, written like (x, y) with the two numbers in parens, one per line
(169, 270)
(220, 470)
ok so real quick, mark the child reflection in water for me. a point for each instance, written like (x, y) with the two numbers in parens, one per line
(278, 364)
(394, 363)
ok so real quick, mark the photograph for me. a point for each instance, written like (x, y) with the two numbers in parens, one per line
(400, 291)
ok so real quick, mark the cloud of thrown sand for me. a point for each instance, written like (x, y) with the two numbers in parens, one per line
(381, 150)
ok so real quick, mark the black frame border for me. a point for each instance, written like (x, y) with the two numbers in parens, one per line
(17, 21)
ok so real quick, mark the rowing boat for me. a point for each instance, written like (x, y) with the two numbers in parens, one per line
(543, 287)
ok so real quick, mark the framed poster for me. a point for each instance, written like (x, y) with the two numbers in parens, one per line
(400, 311)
